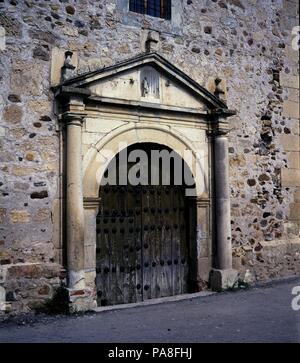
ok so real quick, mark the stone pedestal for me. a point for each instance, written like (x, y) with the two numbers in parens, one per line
(82, 300)
(221, 280)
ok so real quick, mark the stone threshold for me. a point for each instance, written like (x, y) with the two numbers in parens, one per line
(157, 301)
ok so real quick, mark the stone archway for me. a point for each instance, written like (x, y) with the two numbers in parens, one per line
(97, 160)
(180, 113)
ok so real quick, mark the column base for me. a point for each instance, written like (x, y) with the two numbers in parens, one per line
(221, 280)
(81, 300)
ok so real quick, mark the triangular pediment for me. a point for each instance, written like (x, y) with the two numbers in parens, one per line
(148, 78)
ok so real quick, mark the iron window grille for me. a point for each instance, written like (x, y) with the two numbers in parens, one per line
(156, 8)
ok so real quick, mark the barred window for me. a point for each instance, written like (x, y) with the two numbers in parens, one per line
(157, 8)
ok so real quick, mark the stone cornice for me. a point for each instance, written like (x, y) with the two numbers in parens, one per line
(63, 91)
(222, 112)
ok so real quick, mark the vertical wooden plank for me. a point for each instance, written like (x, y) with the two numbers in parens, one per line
(138, 244)
(154, 263)
(118, 247)
(133, 245)
(146, 241)
(103, 249)
(166, 244)
(108, 210)
(184, 250)
(176, 241)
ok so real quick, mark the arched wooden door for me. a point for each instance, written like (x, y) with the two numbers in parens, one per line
(142, 243)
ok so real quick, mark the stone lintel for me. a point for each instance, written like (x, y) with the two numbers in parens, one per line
(145, 106)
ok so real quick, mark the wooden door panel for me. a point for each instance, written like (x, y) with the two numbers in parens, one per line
(176, 241)
(166, 244)
(142, 243)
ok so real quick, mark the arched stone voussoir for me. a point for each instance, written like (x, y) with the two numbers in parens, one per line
(97, 159)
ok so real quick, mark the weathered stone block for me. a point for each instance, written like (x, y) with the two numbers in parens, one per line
(297, 195)
(295, 211)
(13, 114)
(291, 109)
(223, 279)
(287, 80)
(2, 294)
(204, 269)
(2, 131)
(26, 78)
(42, 214)
(101, 125)
(290, 177)
(22, 170)
(20, 216)
(11, 25)
(2, 214)
(289, 142)
(82, 300)
(33, 271)
(294, 159)
(295, 127)
(293, 95)
(89, 257)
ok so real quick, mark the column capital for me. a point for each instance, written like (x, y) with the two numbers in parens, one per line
(219, 127)
(73, 118)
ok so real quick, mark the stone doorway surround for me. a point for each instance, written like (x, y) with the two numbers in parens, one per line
(104, 109)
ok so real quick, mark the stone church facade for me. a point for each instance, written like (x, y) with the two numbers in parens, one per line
(214, 81)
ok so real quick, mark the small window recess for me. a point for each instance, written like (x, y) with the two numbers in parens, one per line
(155, 8)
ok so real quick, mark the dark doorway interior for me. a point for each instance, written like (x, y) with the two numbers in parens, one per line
(145, 239)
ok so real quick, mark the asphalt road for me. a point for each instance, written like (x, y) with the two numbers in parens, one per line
(262, 314)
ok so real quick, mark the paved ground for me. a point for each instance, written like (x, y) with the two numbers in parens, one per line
(261, 314)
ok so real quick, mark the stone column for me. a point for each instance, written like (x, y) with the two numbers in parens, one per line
(222, 202)
(74, 204)
(91, 206)
(223, 277)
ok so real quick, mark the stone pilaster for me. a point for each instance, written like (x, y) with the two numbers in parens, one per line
(91, 206)
(203, 240)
